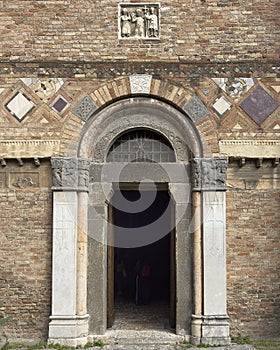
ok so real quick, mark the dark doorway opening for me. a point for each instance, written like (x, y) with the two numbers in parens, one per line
(142, 263)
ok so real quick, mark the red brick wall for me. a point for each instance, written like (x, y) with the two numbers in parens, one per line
(25, 253)
(253, 234)
(190, 30)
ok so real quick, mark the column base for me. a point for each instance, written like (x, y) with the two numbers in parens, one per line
(68, 330)
(212, 330)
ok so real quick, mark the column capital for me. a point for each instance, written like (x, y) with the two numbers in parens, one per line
(70, 174)
(209, 174)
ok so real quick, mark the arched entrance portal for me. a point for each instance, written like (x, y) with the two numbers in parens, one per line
(86, 186)
(141, 261)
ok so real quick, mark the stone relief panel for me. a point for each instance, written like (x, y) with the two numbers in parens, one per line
(139, 20)
(209, 174)
(85, 108)
(24, 180)
(196, 109)
(70, 173)
(140, 83)
(65, 173)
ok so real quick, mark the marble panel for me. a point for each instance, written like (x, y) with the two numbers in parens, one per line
(259, 105)
(20, 106)
(222, 106)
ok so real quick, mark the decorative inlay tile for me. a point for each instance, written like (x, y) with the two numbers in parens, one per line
(259, 105)
(44, 88)
(276, 88)
(20, 106)
(139, 21)
(222, 106)
(140, 83)
(237, 126)
(60, 104)
(196, 109)
(85, 108)
(235, 87)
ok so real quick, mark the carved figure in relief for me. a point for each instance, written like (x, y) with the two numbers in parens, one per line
(152, 23)
(57, 177)
(125, 19)
(23, 182)
(139, 21)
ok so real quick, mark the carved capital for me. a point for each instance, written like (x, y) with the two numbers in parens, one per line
(70, 174)
(209, 174)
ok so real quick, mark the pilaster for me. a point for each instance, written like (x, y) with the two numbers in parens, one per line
(209, 179)
(69, 319)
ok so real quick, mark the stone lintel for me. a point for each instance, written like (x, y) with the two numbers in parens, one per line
(132, 172)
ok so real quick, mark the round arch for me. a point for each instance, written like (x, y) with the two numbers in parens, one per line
(139, 112)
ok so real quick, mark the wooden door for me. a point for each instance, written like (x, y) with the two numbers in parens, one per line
(172, 316)
(111, 269)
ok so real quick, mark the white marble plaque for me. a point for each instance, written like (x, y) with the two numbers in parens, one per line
(214, 240)
(140, 83)
(64, 253)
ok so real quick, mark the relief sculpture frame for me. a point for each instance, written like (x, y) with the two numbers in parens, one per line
(139, 21)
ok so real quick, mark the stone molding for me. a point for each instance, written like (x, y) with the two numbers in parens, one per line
(209, 174)
(29, 148)
(70, 174)
(250, 148)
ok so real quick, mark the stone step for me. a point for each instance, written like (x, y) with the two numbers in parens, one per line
(132, 337)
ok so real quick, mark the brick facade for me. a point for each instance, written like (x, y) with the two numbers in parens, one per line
(26, 223)
(190, 30)
(253, 252)
(55, 53)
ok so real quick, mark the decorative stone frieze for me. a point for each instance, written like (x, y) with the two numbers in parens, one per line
(250, 148)
(29, 148)
(209, 174)
(183, 69)
(70, 174)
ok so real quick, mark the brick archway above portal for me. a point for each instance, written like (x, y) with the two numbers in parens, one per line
(180, 103)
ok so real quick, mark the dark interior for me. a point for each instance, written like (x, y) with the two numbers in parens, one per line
(156, 254)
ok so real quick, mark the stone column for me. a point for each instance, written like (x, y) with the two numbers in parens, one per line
(83, 182)
(69, 321)
(212, 326)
